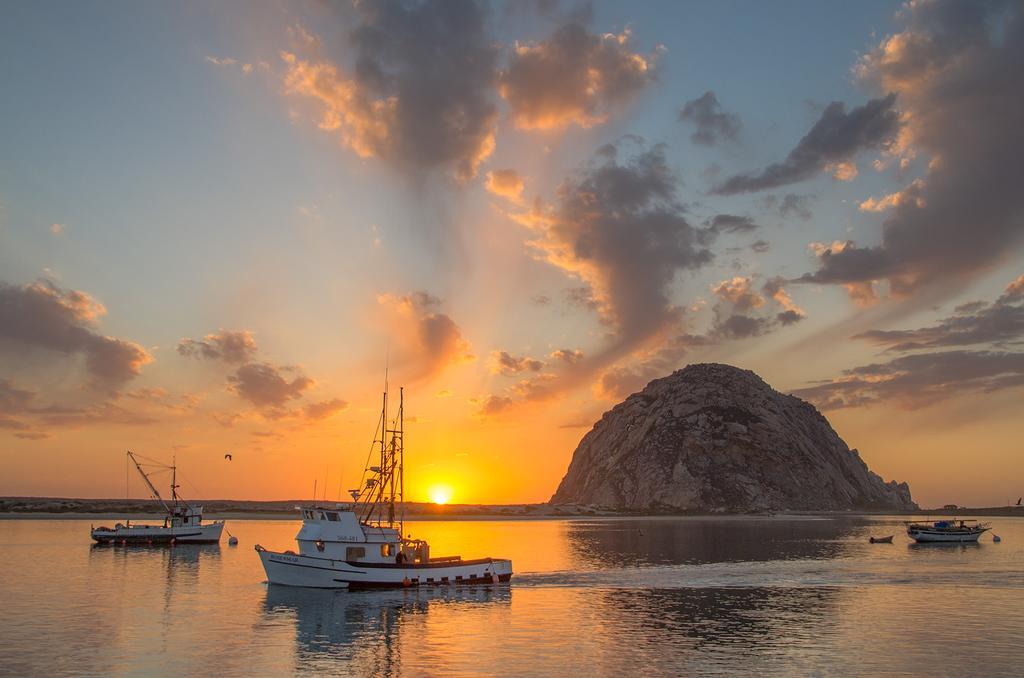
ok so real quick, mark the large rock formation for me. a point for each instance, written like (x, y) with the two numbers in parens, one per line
(717, 438)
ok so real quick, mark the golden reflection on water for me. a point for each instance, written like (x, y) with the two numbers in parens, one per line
(604, 597)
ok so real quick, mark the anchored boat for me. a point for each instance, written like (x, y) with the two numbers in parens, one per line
(947, 531)
(183, 523)
(361, 545)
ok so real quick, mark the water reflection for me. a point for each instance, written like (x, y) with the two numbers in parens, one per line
(179, 563)
(710, 627)
(605, 544)
(593, 597)
(362, 631)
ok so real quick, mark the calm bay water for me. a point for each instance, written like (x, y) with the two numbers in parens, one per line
(595, 597)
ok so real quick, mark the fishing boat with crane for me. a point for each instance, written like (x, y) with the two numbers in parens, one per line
(360, 545)
(183, 522)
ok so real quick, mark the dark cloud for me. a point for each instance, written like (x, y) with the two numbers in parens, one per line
(41, 315)
(33, 435)
(832, 142)
(789, 205)
(741, 311)
(958, 69)
(269, 386)
(998, 323)
(13, 399)
(229, 346)
(760, 246)
(573, 77)
(325, 409)
(72, 416)
(568, 356)
(421, 92)
(730, 223)
(14, 403)
(582, 297)
(618, 226)
(713, 124)
(915, 381)
(740, 326)
(509, 365)
(495, 404)
(787, 318)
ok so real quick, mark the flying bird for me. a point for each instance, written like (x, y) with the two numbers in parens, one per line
(228, 457)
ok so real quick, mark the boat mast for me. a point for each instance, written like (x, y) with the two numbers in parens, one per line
(401, 458)
(385, 484)
(174, 477)
(152, 490)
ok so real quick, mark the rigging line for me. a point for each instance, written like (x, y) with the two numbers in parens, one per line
(152, 461)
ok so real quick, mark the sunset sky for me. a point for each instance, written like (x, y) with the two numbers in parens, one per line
(219, 221)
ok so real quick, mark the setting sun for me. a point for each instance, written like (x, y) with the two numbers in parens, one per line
(440, 494)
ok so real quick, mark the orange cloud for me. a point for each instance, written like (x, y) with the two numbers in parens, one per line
(416, 112)
(506, 183)
(911, 195)
(573, 77)
(426, 340)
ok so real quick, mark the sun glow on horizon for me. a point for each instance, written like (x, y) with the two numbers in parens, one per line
(440, 494)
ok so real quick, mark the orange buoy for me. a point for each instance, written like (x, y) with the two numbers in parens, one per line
(494, 578)
(173, 541)
(406, 582)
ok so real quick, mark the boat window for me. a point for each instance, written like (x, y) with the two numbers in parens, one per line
(385, 550)
(355, 552)
(308, 515)
(332, 516)
(322, 516)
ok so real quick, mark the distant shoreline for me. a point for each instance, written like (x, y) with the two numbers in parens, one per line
(27, 508)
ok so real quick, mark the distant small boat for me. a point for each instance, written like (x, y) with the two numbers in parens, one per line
(961, 531)
(881, 540)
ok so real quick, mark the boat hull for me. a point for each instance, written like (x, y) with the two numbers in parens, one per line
(938, 536)
(157, 534)
(291, 569)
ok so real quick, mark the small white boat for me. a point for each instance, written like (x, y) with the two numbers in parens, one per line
(361, 545)
(956, 531)
(183, 523)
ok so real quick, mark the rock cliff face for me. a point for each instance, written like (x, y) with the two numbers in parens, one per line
(713, 437)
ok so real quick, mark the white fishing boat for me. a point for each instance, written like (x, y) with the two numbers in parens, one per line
(361, 545)
(183, 522)
(947, 531)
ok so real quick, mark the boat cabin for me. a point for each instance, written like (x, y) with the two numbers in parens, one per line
(337, 533)
(184, 515)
